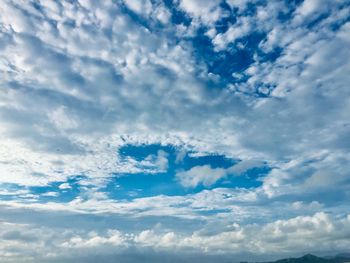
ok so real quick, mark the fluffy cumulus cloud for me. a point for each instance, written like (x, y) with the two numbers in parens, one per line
(218, 130)
(284, 236)
(200, 175)
(208, 176)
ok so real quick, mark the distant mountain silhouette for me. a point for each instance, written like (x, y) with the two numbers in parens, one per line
(309, 258)
(344, 255)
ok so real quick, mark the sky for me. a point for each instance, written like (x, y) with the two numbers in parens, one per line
(174, 130)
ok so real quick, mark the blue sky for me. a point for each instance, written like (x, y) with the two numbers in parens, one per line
(186, 130)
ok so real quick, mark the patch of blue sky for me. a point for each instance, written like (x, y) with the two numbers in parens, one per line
(238, 56)
(130, 186)
(287, 13)
(314, 22)
(62, 194)
(335, 26)
(187, 161)
(177, 16)
(222, 63)
(231, 63)
(270, 56)
(140, 152)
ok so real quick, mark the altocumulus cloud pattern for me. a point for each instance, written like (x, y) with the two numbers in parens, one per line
(173, 130)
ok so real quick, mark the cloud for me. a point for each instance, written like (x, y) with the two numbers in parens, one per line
(319, 230)
(62, 120)
(206, 11)
(239, 30)
(282, 235)
(139, 6)
(81, 79)
(200, 175)
(311, 8)
(64, 186)
(159, 161)
(244, 166)
(207, 176)
(114, 239)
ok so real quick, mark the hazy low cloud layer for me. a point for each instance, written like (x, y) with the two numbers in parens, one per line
(280, 237)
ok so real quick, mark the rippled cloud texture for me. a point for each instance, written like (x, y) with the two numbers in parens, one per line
(173, 130)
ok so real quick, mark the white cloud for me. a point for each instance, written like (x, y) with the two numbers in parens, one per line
(159, 162)
(311, 9)
(83, 79)
(207, 11)
(207, 176)
(240, 4)
(320, 231)
(236, 31)
(162, 160)
(114, 238)
(50, 194)
(244, 166)
(64, 186)
(139, 6)
(162, 14)
(197, 175)
(62, 120)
